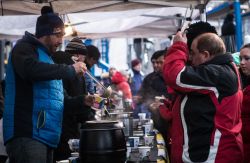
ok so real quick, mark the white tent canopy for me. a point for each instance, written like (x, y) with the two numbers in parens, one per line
(157, 22)
(24, 7)
(142, 22)
(102, 18)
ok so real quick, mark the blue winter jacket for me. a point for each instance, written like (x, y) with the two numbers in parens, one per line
(34, 93)
(137, 78)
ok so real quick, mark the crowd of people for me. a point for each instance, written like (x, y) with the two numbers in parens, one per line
(203, 112)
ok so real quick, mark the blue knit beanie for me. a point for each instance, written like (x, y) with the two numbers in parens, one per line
(48, 23)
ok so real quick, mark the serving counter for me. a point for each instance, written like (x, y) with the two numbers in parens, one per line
(136, 141)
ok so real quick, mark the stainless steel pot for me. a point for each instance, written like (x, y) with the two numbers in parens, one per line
(127, 120)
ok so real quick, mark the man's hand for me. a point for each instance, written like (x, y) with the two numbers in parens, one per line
(155, 106)
(89, 100)
(180, 37)
(80, 67)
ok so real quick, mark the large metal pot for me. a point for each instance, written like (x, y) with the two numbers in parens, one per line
(127, 120)
(102, 141)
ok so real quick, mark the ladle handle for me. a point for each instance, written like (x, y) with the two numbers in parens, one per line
(97, 81)
(91, 76)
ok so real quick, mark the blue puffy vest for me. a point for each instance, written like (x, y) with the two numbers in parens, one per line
(47, 111)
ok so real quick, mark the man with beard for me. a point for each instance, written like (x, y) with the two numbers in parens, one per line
(34, 93)
(153, 84)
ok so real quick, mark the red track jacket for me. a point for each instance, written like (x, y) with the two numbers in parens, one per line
(206, 121)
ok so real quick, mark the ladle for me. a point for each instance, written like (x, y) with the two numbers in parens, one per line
(107, 91)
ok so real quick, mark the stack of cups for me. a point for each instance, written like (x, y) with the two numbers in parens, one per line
(147, 128)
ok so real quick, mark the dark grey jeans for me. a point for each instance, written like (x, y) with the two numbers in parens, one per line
(27, 150)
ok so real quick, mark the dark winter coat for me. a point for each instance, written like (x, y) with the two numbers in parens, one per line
(72, 117)
(152, 85)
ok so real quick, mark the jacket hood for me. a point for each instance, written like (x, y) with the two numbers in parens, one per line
(118, 78)
(31, 39)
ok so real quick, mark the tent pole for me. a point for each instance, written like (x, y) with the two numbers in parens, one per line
(2, 59)
(202, 9)
(237, 12)
(142, 50)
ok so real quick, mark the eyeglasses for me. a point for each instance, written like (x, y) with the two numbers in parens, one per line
(59, 34)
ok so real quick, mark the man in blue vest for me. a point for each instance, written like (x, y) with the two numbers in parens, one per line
(34, 93)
